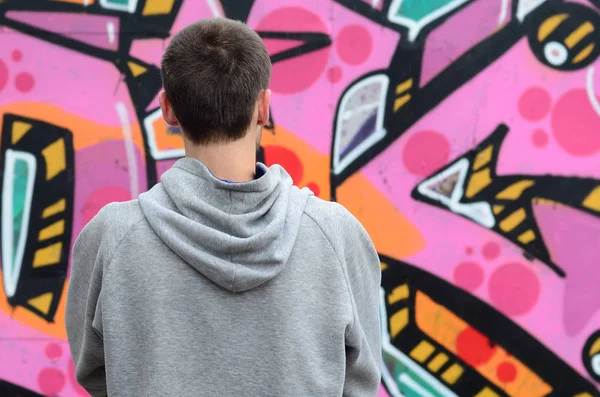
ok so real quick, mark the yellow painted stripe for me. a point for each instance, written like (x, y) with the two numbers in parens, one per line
(595, 348)
(513, 220)
(384, 266)
(437, 362)
(158, 7)
(55, 156)
(19, 129)
(398, 321)
(578, 34)
(487, 392)
(549, 25)
(483, 157)
(47, 256)
(422, 351)
(399, 102)
(583, 54)
(42, 302)
(404, 86)
(55, 229)
(592, 201)
(515, 190)
(55, 208)
(452, 374)
(497, 209)
(479, 181)
(399, 293)
(526, 237)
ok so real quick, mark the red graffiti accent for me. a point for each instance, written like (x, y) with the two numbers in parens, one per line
(285, 158)
(474, 347)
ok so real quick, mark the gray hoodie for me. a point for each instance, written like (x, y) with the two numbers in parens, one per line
(207, 288)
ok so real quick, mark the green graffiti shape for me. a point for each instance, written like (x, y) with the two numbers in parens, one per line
(416, 10)
(20, 179)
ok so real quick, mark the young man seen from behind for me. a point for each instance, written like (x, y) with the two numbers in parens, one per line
(224, 279)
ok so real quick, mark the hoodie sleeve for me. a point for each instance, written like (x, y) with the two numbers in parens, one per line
(83, 315)
(363, 338)
(360, 263)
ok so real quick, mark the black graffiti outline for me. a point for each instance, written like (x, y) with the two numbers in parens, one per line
(145, 87)
(406, 63)
(488, 321)
(33, 282)
(570, 191)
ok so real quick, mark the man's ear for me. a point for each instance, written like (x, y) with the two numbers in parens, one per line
(167, 109)
(264, 102)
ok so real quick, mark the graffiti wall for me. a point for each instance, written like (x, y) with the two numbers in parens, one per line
(464, 134)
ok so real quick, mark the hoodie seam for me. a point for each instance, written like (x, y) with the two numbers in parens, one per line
(235, 265)
(347, 282)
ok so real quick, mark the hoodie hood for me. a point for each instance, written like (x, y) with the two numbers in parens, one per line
(239, 235)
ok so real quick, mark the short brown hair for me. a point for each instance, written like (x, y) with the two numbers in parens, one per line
(212, 73)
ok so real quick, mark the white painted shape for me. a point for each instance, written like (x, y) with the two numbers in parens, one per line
(480, 212)
(110, 31)
(380, 132)
(214, 8)
(596, 364)
(591, 92)
(132, 168)
(154, 151)
(556, 53)
(504, 11)
(525, 7)
(10, 276)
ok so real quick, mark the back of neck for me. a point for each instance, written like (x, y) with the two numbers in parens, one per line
(233, 161)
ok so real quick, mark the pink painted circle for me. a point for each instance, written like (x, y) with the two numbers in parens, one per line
(539, 138)
(468, 276)
(575, 124)
(24, 82)
(425, 152)
(535, 103)
(101, 197)
(491, 250)
(514, 289)
(16, 55)
(53, 351)
(299, 73)
(334, 74)
(51, 381)
(354, 44)
(3, 75)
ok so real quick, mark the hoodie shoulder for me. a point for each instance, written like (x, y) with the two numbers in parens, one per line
(112, 223)
(337, 223)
